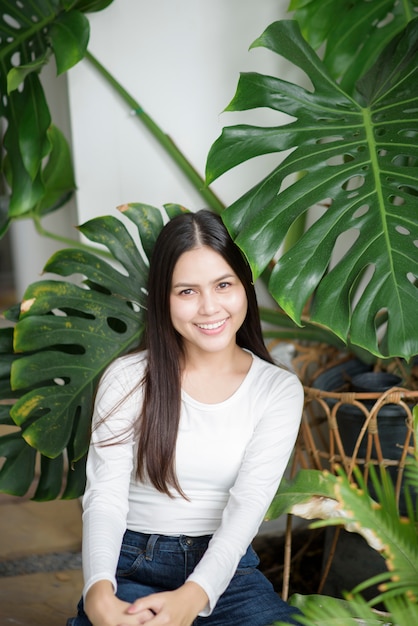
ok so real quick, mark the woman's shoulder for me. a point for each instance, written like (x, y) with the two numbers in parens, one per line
(130, 360)
(273, 368)
(128, 367)
(273, 374)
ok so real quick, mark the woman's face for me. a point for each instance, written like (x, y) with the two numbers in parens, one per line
(208, 303)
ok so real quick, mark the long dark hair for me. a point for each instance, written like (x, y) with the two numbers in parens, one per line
(160, 414)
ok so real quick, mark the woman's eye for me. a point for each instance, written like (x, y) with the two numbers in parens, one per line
(186, 292)
(223, 285)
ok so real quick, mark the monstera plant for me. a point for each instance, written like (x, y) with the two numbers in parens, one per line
(354, 153)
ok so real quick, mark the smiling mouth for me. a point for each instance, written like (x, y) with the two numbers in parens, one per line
(213, 326)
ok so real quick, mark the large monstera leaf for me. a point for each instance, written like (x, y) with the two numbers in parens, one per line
(66, 334)
(37, 162)
(358, 160)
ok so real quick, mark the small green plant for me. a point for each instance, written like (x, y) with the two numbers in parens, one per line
(336, 500)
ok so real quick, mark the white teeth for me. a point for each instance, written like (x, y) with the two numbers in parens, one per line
(211, 326)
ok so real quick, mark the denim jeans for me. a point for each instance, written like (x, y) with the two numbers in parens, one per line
(153, 563)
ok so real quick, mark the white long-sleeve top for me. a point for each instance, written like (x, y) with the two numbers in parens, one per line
(230, 458)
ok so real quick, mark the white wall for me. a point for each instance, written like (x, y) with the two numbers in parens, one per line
(180, 59)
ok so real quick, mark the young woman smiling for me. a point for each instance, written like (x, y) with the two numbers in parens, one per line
(191, 437)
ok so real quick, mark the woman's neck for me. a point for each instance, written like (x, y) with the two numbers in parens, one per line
(216, 377)
(226, 361)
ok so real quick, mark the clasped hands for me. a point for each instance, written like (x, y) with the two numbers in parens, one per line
(169, 608)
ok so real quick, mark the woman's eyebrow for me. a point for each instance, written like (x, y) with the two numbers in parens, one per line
(217, 280)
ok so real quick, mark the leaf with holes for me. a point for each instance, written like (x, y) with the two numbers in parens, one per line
(353, 34)
(66, 335)
(358, 162)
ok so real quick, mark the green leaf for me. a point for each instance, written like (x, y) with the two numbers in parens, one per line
(149, 224)
(111, 233)
(17, 75)
(352, 33)
(34, 120)
(12, 313)
(358, 162)
(5, 418)
(88, 6)
(7, 357)
(67, 333)
(281, 326)
(68, 353)
(57, 175)
(6, 340)
(307, 484)
(26, 31)
(50, 482)
(76, 480)
(17, 472)
(317, 17)
(25, 192)
(69, 38)
(321, 610)
(174, 209)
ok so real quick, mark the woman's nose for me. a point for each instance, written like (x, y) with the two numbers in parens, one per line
(208, 304)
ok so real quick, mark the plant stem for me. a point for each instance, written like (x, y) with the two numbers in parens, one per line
(72, 243)
(164, 140)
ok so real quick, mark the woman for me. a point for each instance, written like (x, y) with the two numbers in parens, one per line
(191, 437)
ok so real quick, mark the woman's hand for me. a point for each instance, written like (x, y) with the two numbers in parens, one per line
(103, 608)
(171, 608)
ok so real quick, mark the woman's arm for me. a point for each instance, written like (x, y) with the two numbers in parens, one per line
(105, 502)
(279, 401)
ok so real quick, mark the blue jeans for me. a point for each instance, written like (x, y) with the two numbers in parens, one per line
(153, 563)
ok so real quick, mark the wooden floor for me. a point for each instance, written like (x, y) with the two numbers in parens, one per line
(39, 537)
